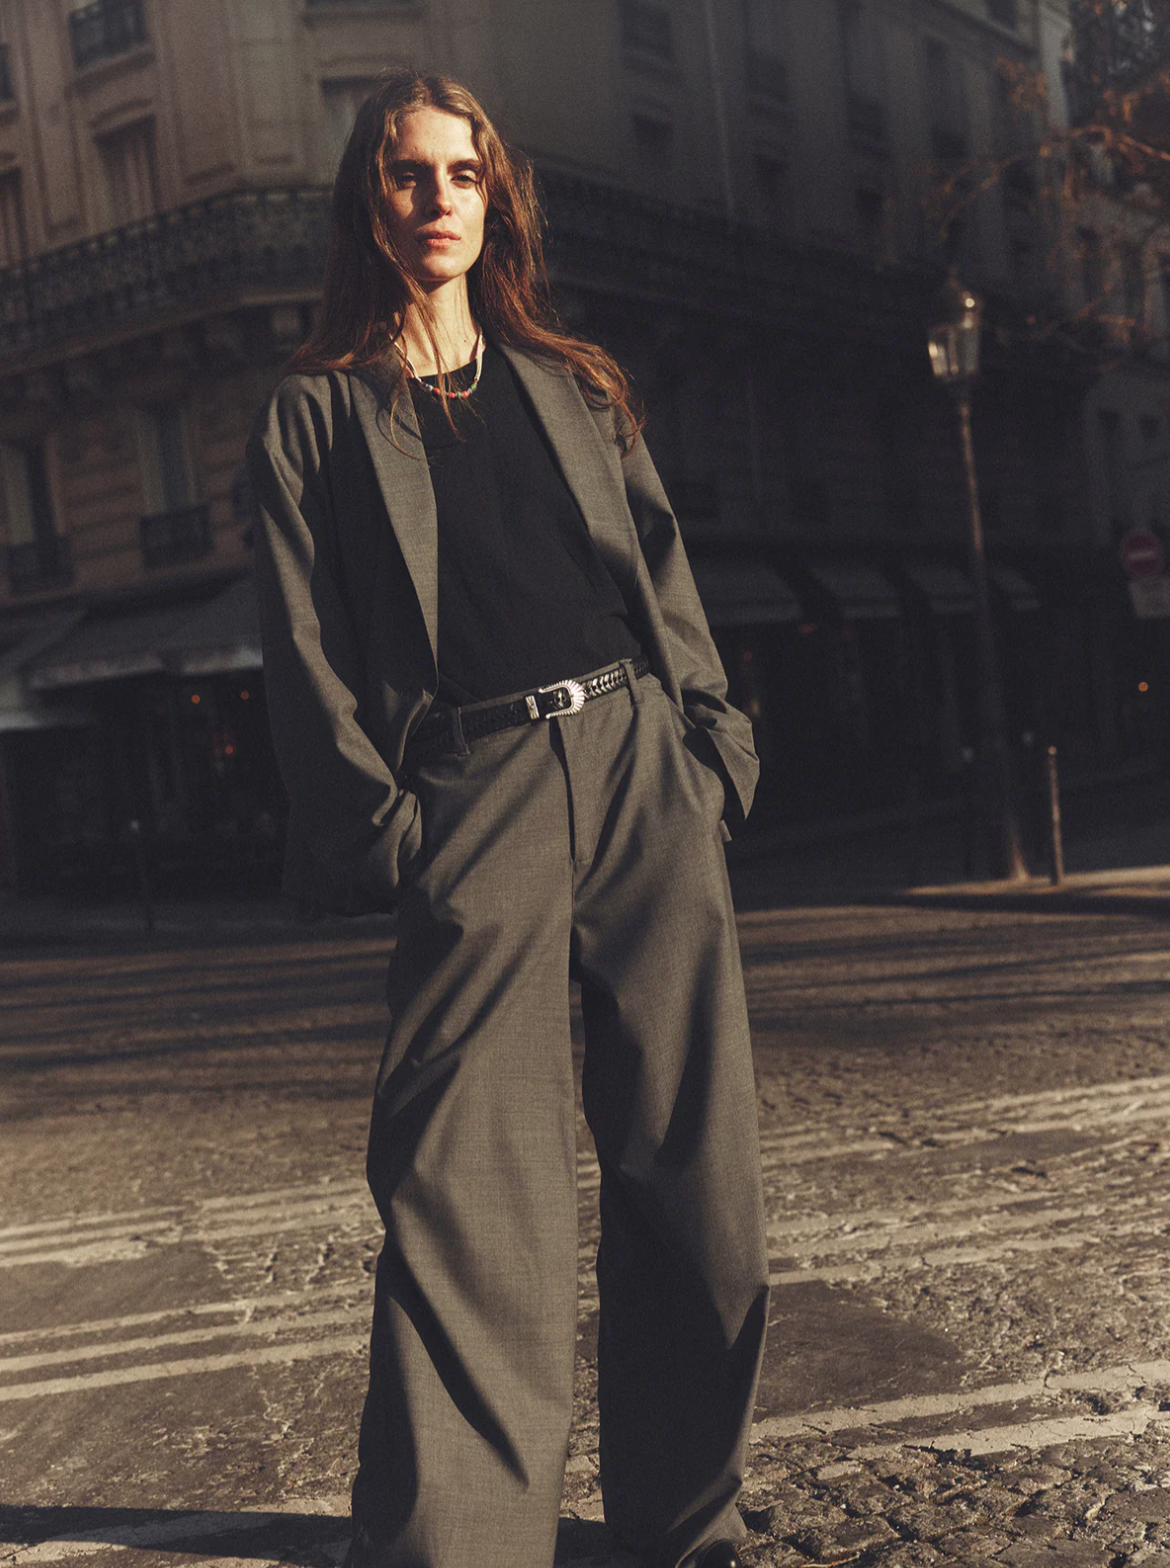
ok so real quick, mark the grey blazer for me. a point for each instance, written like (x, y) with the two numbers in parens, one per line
(347, 578)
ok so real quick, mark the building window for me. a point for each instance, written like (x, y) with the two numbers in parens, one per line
(763, 26)
(869, 206)
(1005, 12)
(945, 105)
(127, 157)
(773, 188)
(1092, 270)
(646, 27)
(341, 102)
(864, 92)
(13, 236)
(163, 459)
(105, 28)
(653, 144)
(174, 527)
(1133, 283)
(38, 556)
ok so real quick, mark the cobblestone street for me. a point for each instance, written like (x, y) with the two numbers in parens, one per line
(964, 1119)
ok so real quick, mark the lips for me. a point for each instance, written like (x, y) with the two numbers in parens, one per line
(438, 237)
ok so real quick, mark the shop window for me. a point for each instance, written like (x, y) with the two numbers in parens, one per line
(128, 162)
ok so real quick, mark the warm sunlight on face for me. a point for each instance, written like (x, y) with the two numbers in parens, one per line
(436, 196)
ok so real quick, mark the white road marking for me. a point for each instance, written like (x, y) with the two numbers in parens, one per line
(271, 1355)
(191, 1336)
(241, 1304)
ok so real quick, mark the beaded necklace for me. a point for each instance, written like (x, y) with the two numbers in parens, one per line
(440, 391)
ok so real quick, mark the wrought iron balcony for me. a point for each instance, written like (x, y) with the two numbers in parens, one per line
(1117, 49)
(46, 562)
(191, 256)
(258, 248)
(7, 91)
(172, 538)
(106, 28)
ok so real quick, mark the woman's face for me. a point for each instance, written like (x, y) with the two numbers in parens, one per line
(437, 203)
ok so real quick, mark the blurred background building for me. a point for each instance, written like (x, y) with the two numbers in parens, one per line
(737, 193)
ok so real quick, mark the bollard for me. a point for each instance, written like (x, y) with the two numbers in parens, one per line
(970, 810)
(1054, 819)
(134, 833)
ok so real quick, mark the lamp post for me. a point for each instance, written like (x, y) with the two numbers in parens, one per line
(954, 356)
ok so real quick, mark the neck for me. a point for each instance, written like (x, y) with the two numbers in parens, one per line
(447, 339)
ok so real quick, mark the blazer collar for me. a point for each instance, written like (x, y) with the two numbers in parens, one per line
(400, 467)
(590, 464)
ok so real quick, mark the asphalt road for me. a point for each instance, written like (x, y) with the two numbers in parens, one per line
(964, 1119)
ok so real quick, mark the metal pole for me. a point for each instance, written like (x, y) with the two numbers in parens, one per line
(1054, 819)
(1007, 855)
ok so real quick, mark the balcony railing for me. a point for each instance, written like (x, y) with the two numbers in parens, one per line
(7, 91)
(106, 28)
(172, 538)
(46, 562)
(255, 248)
(179, 259)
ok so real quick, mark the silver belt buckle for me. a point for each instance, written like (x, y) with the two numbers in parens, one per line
(572, 689)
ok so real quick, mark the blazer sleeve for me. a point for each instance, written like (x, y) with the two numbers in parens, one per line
(696, 662)
(351, 825)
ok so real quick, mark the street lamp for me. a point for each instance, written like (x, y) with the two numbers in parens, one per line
(954, 343)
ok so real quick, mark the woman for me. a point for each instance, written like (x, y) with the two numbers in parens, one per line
(498, 709)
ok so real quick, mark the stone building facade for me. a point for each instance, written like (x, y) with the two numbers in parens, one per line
(736, 199)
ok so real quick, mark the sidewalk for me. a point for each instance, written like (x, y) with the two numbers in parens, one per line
(1123, 869)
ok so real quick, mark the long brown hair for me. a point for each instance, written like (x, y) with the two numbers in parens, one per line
(368, 286)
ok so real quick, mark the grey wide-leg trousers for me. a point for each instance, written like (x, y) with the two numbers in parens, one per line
(586, 845)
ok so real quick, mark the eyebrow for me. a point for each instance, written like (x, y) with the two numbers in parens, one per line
(474, 165)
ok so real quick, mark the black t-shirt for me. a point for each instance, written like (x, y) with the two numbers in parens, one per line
(525, 598)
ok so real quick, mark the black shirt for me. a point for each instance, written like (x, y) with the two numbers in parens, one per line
(525, 598)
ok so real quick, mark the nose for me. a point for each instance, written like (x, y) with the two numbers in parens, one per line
(441, 199)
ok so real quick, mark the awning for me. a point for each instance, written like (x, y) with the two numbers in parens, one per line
(860, 592)
(21, 709)
(220, 635)
(947, 589)
(745, 593)
(1015, 587)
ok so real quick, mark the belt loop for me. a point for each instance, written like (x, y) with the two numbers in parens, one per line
(631, 681)
(462, 749)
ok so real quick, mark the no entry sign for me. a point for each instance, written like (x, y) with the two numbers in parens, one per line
(1141, 553)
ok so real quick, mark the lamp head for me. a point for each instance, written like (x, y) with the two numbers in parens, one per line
(956, 326)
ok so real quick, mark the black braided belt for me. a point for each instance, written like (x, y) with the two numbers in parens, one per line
(438, 731)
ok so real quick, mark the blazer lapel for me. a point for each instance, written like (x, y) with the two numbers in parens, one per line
(404, 479)
(591, 466)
